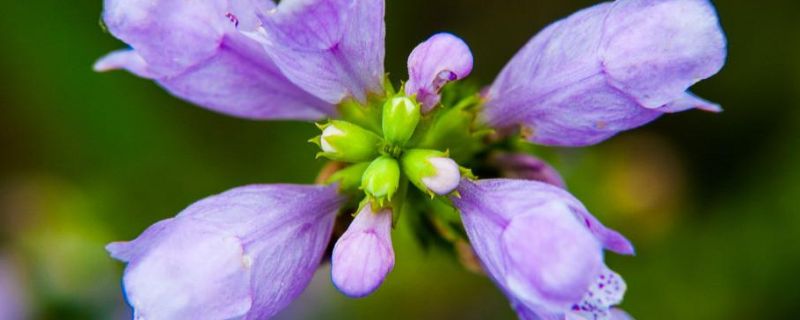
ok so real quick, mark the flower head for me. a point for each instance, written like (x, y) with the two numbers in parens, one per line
(248, 252)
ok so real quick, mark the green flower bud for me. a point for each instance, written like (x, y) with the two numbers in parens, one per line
(400, 118)
(431, 171)
(344, 141)
(381, 179)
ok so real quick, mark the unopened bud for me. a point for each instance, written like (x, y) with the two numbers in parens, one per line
(381, 179)
(431, 171)
(344, 141)
(400, 118)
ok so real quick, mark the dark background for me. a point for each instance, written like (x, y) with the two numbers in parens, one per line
(710, 200)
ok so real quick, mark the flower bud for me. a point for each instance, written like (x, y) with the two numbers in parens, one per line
(400, 118)
(344, 141)
(431, 171)
(381, 179)
(363, 256)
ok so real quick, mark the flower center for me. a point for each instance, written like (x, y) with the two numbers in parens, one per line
(388, 143)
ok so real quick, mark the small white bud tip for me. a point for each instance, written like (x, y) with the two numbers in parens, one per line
(447, 176)
(406, 103)
(329, 131)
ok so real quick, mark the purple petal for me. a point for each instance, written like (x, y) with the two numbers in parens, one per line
(619, 314)
(331, 48)
(606, 291)
(195, 51)
(170, 35)
(549, 268)
(124, 59)
(175, 279)
(690, 101)
(582, 79)
(363, 256)
(655, 50)
(535, 240)
(440, 59)
(612, 240)
(246, 253)
(527, 167)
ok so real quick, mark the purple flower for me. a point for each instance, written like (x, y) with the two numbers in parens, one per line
(435, 62)
(363, 256)
(608, 68)
(248, 252)
(541, 247)
(245, 253)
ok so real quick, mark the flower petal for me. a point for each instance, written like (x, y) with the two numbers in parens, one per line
(245, 253)
(526, 167)
(363, 256)
(534, 241)
(331, 48)
(239, 81)
(619, 314)
(606, 291)
(170, 35)
(440, 59)
(582, 79)
(690, 101)
(124, 59)
(654, 49)
(163, 284)
(550, 268)
(196, 53)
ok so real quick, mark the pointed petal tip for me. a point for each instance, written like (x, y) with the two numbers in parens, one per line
(689, 101)
(119, 250)
(625, 248)
(125, 59)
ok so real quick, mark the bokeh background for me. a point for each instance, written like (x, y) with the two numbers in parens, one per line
(710, 200)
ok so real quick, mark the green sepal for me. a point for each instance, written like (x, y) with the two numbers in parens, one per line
(349, 178)
(388, 87)
(400, 118)
(381, 180)
(399, 200)
(454, 128)
(367, 116)
(466, 173)
(354, 144)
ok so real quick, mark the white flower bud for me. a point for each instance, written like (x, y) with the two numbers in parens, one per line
(329, 131)
(446, 178)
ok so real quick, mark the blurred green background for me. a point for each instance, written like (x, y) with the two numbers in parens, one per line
(710, 200)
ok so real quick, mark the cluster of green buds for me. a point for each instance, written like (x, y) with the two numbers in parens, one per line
(383, 159)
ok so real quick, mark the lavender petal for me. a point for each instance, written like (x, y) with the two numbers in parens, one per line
(245, 253)
(608, 68)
